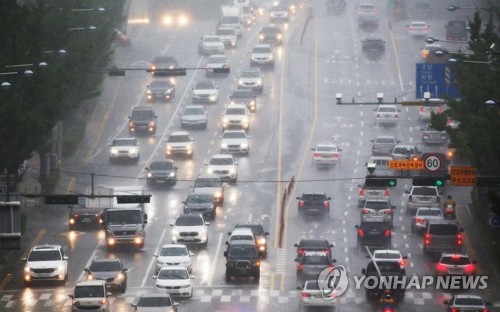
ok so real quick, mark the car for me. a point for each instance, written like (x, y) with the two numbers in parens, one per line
(200, 203)
(210, 184)
(174, 255)
(457, 30)
(241, 234)
(426, 50)
(423, 215)
(260, 236)
(262, 55)
(466, 302)
(45, 263)
(389, 255)
(216, 61)
(234, 141)
(90, 295)
(433, 136)
(224, 166)
(251, 79)
(155, 302)
(455, 264)
(228, 36)
(142, 120)
(418, 29)
(312, 202)
(442, 236)
(311, 264)
(376, 208)
(247, 14)
(386, 115)
(160, 89)
(422, 196)
(383, 145)
(179, 143)
(404, 151)
(366, 9)
(231, 21)
(311, 244)
(431, 106)
(242, 260)
(236, 116)
(271, 34)
(162, 62)
(205, 91)
(127, 148)
(244, 97)
(326, 153)
(368, 190)
(373, 233)
(210, 44)
(161, 172)
(379, 271)
(368, 22)
(312, 296)
(175, 281)
(109, 270)
(190, 228)
(279, 13)
(373, 47)
(194, 116)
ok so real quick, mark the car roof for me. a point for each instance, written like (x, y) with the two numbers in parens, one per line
(242, 242)
(179, 133)
(221, 156)
(236, 106)
(91, 283)
(313, 193)
(46, 247)
(173, 246)
(241, 230)
(142, 108)
(173, 268)
(155, 295)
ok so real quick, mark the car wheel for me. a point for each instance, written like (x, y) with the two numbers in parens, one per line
(228, 277)
(205, 125)
(256, 277)
(27, 284)
(123, 289)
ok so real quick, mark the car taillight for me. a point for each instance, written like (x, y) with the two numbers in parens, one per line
(365, 211)
(439, 110)
(440, 267)
(422, 109)
(419, 220)
(410, 197)
(336, 155)
(301, 203)
(361, 232)
(301, 251)
(316, 154)
(386, 193)
(325, 250)
(402, 263)
(388, 211)
(426, 136)
(387, 233)
(330, 265)
(326, 204)
(411, 28)
(470, 268)
(362, 193)
(427, 239)
(454, 310)
(387, 310)
(459, 239)
(449, 210)
(300, 267)
(306, 295)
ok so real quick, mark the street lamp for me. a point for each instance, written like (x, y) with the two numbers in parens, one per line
(431, 40)
(100, 10)
(89, 28)
(456, 60)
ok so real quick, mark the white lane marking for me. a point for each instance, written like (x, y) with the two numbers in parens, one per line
(153, 259)
(250, 218)
(214, 263)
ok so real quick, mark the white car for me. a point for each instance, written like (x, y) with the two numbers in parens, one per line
(190, 228)
(228, 36)
(239, 234)
(234, 141)
(326, 153)
(210, 44)
(224, 166)
(262, 55)
(174, 280)
(127, 148)
(236, 116)
(387, 114)
(252, 79)
(418, 29)
(194, 116)
(45, 262)
(312, 296)
(390, 255)
(179, 143)
(90, 296)
(216, 61)
(205, 91)
(174, 255)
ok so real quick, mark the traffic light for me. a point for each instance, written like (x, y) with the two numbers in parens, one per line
(381, 181)
(428, 181)
(133, 199)
(167, 71)
(222, 70)
(488, 181)
(61, 199)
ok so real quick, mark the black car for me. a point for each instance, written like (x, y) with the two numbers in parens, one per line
(374, 233)
(242, 260)
(373, 47)
(163, 62)
(271, 35)
(245, 97)
(260, 236)
(161, 172)
(311, 264)
(313, 203)
(143, 119)
(109, 270)
(383, 269)
(368, 22)
(160, 89)
(200, 203)
(321, 245)
(457, 30)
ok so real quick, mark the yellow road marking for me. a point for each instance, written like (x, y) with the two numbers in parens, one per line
(5, 281)
(71, 185)
(282, 285)
(37, 239)
(273, 276)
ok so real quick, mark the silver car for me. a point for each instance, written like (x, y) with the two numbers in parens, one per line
(383, 145)
(422, 196)
(387, 114)
(402, 152)
(311, 264)
(155, 302)
(433, 136)
(194, 116)
(423, 215)
(378, 209)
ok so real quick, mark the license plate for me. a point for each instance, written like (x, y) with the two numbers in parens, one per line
(86, 220)
(160, 181)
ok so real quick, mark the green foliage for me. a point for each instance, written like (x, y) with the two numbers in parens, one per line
(73, 135)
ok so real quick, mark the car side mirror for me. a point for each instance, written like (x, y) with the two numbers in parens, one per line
(405, 257)
(86, 270)
(299, 288)
(266, 233)
(154, 276)
(227, 243)
(487, 303)
(129, 117)
(329, 198)
(407, 191)
(133, 305)
(334, 260)
(331, 246)
(312, 148)
(446, 302)
(225, 253)
(71, 296)
(207, 223)
(474, 261)
(125, 270)
(298, 197)
(147, 168)
(297, 260)
(461, 229)
(192, 277)
(296, 245)
(172, 224)
(356, 226)
(236, 163)
(229, 233)
(393, 207)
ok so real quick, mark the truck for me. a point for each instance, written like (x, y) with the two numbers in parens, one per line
(231, 18)
(10, 224)
(125, 226)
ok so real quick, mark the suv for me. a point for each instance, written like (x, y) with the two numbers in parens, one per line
(190, 228)
(210, 44)
(387, 269)
(143, 119)
(161, 89)
(251, 79)
(236, 116)
(368, 22)
(228, 36)
(259, 234)
(45, 262)
(305, 245)
(109, 270)
(271, 35)
(245, 97)
(430, 106)
(378, 209)
(224, 166)
(240, 234)
(262, 55)
(200, 203)
(161, 172)
(162, 62)
(216, 61)
(374, 233)
(234, 141)
(456, 30)
(311, 264)
(90, 295)
(242, 259)
(127, 148)
(179, 142)
(422, 196)
(373, 47)
(455, 264)
(383, 145)
(210, 184)
(442, 236)
(313, 203)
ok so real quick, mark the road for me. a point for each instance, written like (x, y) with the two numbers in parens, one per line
(297, 110)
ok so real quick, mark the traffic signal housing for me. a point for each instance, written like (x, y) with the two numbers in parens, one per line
(429, 181)
(381, 181)
(61, 199)
(169, 72)
(133, 199)
(222, 70)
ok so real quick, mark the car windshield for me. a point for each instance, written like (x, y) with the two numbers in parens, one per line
(443, 229)
(99, 266)
(189, 221)
(124, 142)
(455, 260)
(235, 111)
(315, 260)
(211, 39)
(242, 94)
(152, 302)
(203, 85)
(179, 138)
(226, 161)
(161, 165)
(403, 150)
(193, 111)
(385, 141)
(89, 292)
(250, 74)
(429, 212)
(261, 50)
(173, 252)
(217, 60)
(386, 109)
(160, 84)
(469, 301)
(377, 205)
(199, 199)
(173, 274)
(118, 217)
(311, 285)
(208, 182)
(271, 30)
(230, 20)
(142, 115)
(242, 250)
(326, 148)
(241, 237)
(226, 31)
(424, 191)
(46, 255)
(313, 244)
(313, 197)
(234, 135)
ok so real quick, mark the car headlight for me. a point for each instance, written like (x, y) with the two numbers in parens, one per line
(210, 170)
(133, 151)
(114, 151)
(175, 233)
(27, 269)
(218, 195)
(279, 36)
(120, 277)
(90, 277)
(232, 171)
(261, 241)
(172, 174)
(169, 147)
(223, 145)
(261, 37)
(225, 120)
(244, 145)
(149, 91)
(149, 175)
(240, 82)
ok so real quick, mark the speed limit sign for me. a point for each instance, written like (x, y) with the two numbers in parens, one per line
(432, 163)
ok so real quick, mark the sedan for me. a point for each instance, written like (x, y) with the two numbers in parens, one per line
(466, 302)
(224, 166)
(312, 296)
(433, 136)
(383, 145)
(153, 302)
(161, 172)
(127, 148)
(390, 255)
(194, 116)
(234, 141)
(109, 270)
(386, 114)
(173, 255)
(455, 264)
(418, 29)
(326, 153)
(205, 91)
(311, 264)
(174, 280)
(423, 215)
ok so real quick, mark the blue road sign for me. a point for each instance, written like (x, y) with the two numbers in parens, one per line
(438, 79)
(495, 221)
